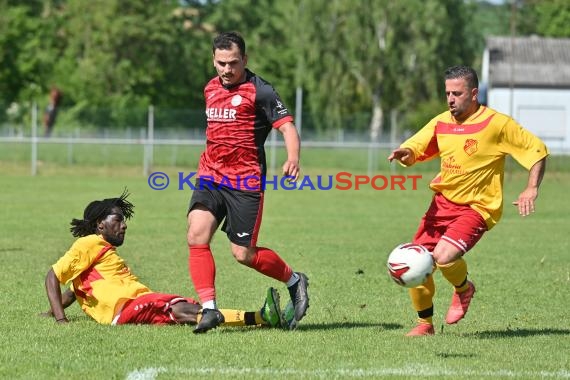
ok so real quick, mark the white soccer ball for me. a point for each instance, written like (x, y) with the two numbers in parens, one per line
(410, 264)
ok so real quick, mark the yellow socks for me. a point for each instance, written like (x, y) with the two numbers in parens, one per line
(456, 274)
(422, 299)
(239, 317)
(422, 296)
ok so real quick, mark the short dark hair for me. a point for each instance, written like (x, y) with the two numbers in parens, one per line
(99, 210)
(465, 72)
(225, 40)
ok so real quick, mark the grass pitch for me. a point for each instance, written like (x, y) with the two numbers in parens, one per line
(517, 326)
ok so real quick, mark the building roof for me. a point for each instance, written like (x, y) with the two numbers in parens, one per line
(538, 62)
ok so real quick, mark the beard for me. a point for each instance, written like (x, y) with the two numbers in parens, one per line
(115, 241)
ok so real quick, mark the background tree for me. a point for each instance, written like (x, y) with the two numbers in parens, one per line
(358, 63)
(24, 52)
(553, 18)
(124, 56)
(378, 55)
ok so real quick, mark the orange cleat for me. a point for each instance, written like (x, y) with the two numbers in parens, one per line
(459, 305)
(422, 329)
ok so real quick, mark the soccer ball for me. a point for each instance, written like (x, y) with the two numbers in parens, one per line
(409, 264)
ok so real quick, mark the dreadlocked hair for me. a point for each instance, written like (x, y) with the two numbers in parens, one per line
(99, 210)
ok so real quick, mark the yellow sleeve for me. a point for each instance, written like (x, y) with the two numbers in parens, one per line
(521, 144)
(73, 262)
(424, 143)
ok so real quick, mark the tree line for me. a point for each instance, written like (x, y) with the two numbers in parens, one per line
(357, 63)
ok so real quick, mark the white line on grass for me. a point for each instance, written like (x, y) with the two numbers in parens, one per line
(419, 371)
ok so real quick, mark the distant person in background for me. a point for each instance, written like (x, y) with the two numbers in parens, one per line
(241, 111)
(472, 142)
(51, 110)
(110, 293)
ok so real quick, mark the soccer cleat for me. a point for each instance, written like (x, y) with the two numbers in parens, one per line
(271, 310)
(300, 297)
(211, 318)
(422, 329)
(459, 305)
(288, 321)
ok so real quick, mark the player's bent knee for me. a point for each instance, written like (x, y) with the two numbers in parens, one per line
(198, 237)
(243, 255)
(445, 253)
(241, 258)
(445, 258)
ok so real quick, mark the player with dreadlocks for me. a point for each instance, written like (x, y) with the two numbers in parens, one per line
(110, 293)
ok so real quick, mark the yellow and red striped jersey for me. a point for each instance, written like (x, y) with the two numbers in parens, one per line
(473, 157)
(101, 280)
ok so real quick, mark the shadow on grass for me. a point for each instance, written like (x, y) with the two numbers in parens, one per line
(301, 327)
(516, 333)
(348, 325)
(321, 327)
(14, 249)
(451, 355)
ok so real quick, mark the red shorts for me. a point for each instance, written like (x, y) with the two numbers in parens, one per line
(150, 309)
(457, 224)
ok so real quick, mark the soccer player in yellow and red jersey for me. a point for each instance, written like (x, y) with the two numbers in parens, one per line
(472, 142)
(110, 293)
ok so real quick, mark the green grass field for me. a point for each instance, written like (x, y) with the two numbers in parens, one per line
(517, 326)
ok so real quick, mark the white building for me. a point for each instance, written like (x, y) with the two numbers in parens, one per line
(529, 79)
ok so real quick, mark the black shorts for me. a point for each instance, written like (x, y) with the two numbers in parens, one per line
(240, 211)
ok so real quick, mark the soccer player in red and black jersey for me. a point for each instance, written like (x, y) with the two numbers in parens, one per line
(241, 110)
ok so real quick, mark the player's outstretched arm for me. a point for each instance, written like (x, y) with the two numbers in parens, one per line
(293, 145)
(526, 199)
(55, 297)
(404, 155)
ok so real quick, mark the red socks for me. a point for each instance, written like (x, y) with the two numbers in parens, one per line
(202, 270)
(270, 264)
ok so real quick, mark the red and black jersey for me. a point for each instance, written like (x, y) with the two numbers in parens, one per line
(239, 119)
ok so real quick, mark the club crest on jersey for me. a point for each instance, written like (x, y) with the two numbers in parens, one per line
(470, 146)
(236, 100)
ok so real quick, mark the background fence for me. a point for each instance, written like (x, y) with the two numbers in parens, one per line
(150, 145)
